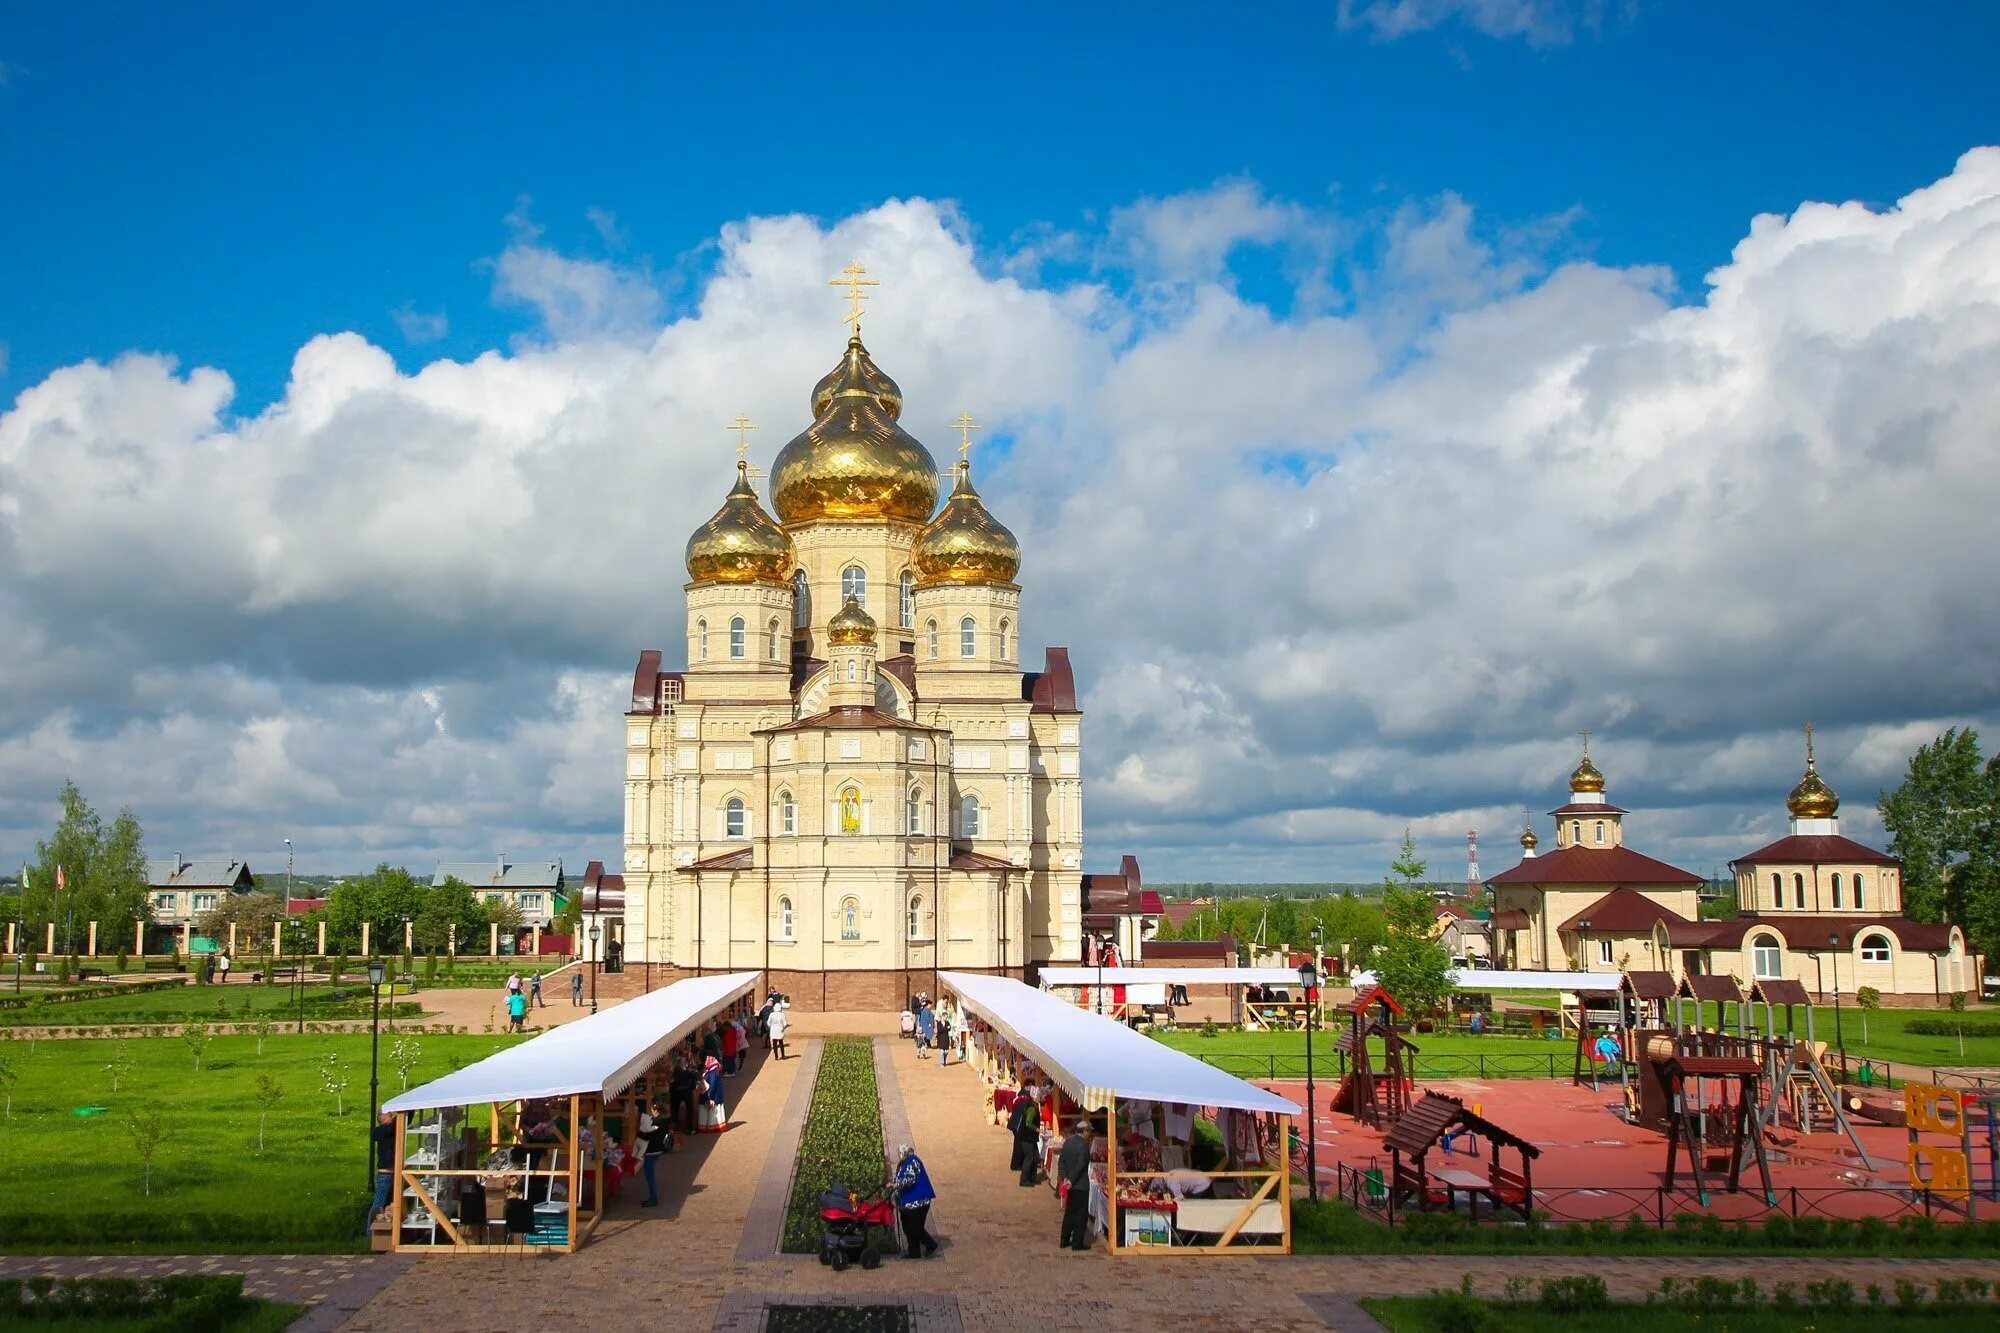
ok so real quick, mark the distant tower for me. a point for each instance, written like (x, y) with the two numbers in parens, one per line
(1472, 863)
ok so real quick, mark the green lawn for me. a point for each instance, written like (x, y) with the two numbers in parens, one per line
(233, 1003)
(74, 1181)
(1433, 1314)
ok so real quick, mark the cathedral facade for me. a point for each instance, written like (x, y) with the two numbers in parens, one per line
(853, 784)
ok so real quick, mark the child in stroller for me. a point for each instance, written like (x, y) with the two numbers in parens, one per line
(855, 1226)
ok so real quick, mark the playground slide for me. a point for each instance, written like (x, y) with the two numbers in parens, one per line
(1343, 1094)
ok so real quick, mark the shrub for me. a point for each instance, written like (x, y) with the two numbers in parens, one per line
(841, 1143)
(1573, 1295)
(1951, 1027)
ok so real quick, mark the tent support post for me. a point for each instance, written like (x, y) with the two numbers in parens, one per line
(1285, 1190)
(1111, 1172)
(575, 1180)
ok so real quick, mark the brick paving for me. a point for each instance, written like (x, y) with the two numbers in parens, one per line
(333, 1286)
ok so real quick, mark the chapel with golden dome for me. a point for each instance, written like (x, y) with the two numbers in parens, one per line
(852, 783)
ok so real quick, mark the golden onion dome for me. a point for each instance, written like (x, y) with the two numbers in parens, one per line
(1529, 841)
(865, 371)
(854, 461)
(1812, 798)
(1586, 777)
(741, 543)
(965, 543)
(851, 625)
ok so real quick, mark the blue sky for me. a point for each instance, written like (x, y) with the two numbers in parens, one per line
(1382, 391)
(222, 182)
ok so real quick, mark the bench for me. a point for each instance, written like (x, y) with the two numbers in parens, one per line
(164, 965)
(1508, 1187)
(90, 973)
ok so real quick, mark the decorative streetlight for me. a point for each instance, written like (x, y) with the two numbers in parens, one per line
(376, 971)
(596, 932)
(1309, 982)
(1839, 1034)
(1583, 949)
(298, 925)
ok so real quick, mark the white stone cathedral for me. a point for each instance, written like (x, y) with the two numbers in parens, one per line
(853, 784)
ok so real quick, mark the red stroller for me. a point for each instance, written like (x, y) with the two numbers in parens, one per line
(850, 1224)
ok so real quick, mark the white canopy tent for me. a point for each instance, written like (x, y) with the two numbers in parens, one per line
(1095, 1059)
(1169, 976)
(1484, 981)
(598, 1055)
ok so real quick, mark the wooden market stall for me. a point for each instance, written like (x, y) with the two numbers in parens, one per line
(534, 1173)
(1153, 1101)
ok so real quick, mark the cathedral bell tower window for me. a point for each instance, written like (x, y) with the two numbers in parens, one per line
(854, 583)
(787, 921)
(906, 601)
(1836, 891)
(968, 638)
(788, 814)
(930, 637)
(738, 640)
(802, 606)
(1002, 645)
(913, 812)
(771, 644)
(701, 639)
(735, 822)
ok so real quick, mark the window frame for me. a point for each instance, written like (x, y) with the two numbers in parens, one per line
(906, 599)
(913, 920)
(787, 920)
(788, 814)
(735, 820)
(968, 638)
(1759, 947)
(739, 639)
(931, 638)
(913, 813)
(970, 812)
(854, 583)
(701, 638)
(1875, 941)
(801, 600)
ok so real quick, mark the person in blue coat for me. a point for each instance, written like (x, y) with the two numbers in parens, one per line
(926, 1030)
(914, 1196)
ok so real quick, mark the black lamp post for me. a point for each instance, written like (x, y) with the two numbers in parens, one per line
(1309, 981)
(376, 971)
(1583, 948)
(596, 932)
(298, 925)
(1839, 1033)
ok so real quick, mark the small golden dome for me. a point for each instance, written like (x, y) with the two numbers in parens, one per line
(1529, 841)
(850, 625)
(741, 543)
(1586, 777)
(854, 461)
(862, 367)
(1812, 798)
(965, 543)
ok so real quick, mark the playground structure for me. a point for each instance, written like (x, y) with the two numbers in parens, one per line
(1970, 1119)
(1794, 1068)
(1372, 1096)
(1714, 1125)
(1437, 1117)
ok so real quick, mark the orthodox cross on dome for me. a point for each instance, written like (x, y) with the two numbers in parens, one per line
(1585, 733)
(852, 278)
(743, 425)
(965, 425)
(1809, 746)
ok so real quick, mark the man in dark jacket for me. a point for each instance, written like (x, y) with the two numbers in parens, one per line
(680, 1090)
(1073, 1169)
(1024, 1122)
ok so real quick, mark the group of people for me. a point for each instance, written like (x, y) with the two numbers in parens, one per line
(932, 1027)
(520, 999)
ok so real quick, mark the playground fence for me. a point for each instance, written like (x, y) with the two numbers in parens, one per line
(1657, 1206)
(1557, 1062)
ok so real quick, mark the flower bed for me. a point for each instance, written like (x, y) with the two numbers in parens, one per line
(841, 1142)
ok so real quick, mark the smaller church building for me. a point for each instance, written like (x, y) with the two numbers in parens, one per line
(1815, 907)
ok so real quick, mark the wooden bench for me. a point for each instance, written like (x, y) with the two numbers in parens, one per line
(1508, 1187)
(164, 965)
(88, 973)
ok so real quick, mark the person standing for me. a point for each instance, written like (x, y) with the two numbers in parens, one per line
(513, 983)
(728, 1036)
(535, 990)
(944, 1038)
(1073, 1169)
(517, 1012)
(1024, 1122)
(576, 990)
(914, 1196)
(384, 1135)
(716, 1120)
(680, 1090)
(653, 1132)
(926, 1030)
(222, 966)
(776, 1025)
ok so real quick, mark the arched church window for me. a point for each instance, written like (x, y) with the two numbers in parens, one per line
(1777, 889)
(853, 670)
(968, 815)
(914, 923)
(1600, 832)
(802, 603)
(1857, 891)
(1875, 949)
(968, 638)
(1766, 958)
(735, 822)
(701, 640)
(1002, 646)
(930, 636)
(906, 601)
(850, 919)
(854, 583)
(850, 810)
(1836, 890)
(788, 813)
(1576, 831)
(737, 645)
(913, 812)
(771, 633)
(1798, 890)
(787, 922)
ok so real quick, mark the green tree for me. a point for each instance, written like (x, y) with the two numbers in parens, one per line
(1868, 1000)
(149, 1129)
(253, 915)
(119, 1066)
(104, 874)
(1944, 824)
(505, 913)
(195, 1035)
(1411, 963)
(450, 904)
(269, 1093)
(9, 1076)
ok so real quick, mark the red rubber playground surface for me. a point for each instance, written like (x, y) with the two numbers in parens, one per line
(1593, 1165)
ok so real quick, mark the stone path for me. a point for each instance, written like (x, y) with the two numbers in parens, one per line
(333, 1286)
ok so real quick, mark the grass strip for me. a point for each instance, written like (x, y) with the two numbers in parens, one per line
(842, 1139)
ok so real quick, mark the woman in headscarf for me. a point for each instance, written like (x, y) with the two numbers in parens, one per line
(914, 1196)
(713, 1121)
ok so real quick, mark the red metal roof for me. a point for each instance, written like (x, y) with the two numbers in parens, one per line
(1594, 865)
(1623, 912)
(1223, 947)
(1817, 848)
(304, 906)
(1600, 808)
(1807, 933)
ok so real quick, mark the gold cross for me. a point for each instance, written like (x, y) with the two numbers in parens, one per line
(850, 278)
(1809, 745)
(965, 425)
(1585, 733)
(742, 426)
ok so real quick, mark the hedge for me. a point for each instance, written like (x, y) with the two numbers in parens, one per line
(190, 1302)
(1951, 1027)
(74, 993)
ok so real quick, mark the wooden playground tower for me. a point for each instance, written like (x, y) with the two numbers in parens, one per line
(1796, 1079)
(1373, 1096)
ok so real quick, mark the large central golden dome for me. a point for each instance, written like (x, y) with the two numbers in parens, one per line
(740, 543)
(854, 461)
(1586, 777)
(965, 543)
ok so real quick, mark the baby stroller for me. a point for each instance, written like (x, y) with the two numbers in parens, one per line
(850, 1224)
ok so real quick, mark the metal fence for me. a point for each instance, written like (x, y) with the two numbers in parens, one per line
(1657, 1206)
(1558, 1062)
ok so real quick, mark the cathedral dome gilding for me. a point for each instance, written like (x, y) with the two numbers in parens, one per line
(965, 543)
(854, 461)
(741, 543)
(1586, 777)
(850, 625)
(1529, 841)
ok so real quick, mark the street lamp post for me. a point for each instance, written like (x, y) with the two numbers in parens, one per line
(298, 926)
(288, 877)
(375, 973)
(1583, 949)
(596, 933)
(1309, 982)
(1839, 1033)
